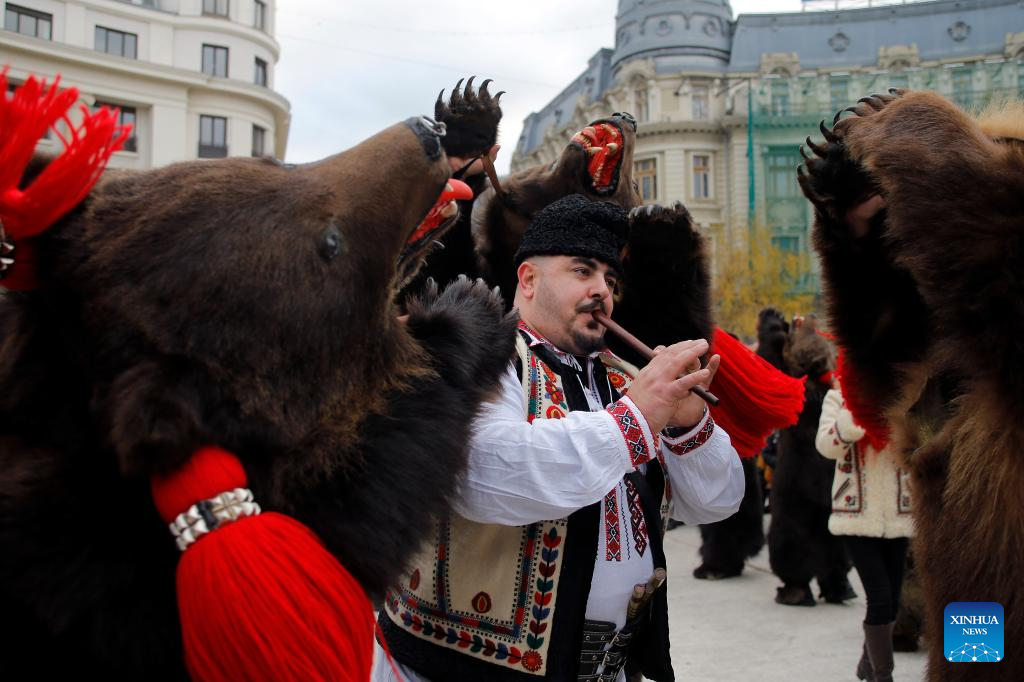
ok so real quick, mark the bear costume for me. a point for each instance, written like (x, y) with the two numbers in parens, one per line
(471, 118)
(242, 303)
(800, 546)
(924, 292)
(726, 545)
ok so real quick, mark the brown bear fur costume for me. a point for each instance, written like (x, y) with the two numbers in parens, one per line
(665, 260)
(585, 167)
(471, 117)
(245, 303)
(929, 306)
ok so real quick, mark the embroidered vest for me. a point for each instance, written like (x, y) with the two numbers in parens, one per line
(493, 602)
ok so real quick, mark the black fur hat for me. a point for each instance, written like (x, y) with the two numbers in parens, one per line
(576, 226)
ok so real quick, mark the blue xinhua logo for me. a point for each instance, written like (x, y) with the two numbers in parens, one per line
(973, 632)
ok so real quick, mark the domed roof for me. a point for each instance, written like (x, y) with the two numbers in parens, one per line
(654, 28)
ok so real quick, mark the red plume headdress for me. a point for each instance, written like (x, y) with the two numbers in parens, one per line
(25, 212)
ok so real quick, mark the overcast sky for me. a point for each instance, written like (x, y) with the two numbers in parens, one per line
(352, 68)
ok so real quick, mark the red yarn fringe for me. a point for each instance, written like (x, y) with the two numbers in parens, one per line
(756, 398)
(25, 116)
(866, 413)
(261, 598)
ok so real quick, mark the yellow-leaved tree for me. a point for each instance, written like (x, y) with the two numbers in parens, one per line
(755, 274)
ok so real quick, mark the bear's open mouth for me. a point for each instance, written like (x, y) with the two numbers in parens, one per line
(602, 142)
(440, 217)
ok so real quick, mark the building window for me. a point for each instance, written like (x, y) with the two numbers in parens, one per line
(700, 104)
(116, 42)
(780, 97)
(259, 19)
(640, 101)
(839, 93)
(780, 175)
(215, 60)
(787, 244)
(28, 22)
(899, 80)
(127, 116)
(260, 77)
(217, 7)
(646, 175)
(962, 88)
(259, 141)
(701, 176)
(213, 137)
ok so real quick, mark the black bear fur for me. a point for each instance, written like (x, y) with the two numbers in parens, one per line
(800, 546)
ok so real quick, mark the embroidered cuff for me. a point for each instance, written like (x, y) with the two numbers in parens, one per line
(641, 444)
(696, 437)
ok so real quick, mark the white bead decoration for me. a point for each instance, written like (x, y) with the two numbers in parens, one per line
(226, 507)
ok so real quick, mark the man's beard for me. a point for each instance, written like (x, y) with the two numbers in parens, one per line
(585, 345)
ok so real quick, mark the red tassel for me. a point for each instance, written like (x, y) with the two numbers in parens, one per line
(756, 398)
(260, 598)
(865, 412)
(25, 116)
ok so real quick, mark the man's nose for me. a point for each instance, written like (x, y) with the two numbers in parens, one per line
(600, 291)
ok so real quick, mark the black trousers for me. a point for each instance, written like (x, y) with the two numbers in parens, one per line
(879, 563)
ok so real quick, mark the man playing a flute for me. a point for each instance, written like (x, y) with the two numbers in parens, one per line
(551, 567)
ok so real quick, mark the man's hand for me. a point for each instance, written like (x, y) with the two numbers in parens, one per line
(691, 408)
(662, 395)
(859, 217)
(458, 162)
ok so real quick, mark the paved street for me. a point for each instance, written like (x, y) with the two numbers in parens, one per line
(733, 630)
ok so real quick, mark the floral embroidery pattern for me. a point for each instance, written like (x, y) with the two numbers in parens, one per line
(416, 615)
(545, 586)
(532, 661)
(551, 390)
(460, 638)
(616, 379)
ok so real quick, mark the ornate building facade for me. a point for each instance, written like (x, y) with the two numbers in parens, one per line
(195, 77)
(723, 103)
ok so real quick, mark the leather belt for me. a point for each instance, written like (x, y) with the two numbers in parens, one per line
(604, 649)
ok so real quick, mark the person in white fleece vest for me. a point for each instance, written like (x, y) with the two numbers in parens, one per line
(871, 508)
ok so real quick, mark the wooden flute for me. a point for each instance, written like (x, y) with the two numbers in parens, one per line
(644, 350)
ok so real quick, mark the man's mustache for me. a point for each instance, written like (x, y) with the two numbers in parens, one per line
(591, 307)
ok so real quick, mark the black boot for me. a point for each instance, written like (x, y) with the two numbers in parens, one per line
(878, 639)
(864, 671)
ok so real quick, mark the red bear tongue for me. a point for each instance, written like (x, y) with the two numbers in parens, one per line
(454, 190)
(459, 191)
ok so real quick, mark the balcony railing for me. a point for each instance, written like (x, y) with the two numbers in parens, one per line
(765, 110)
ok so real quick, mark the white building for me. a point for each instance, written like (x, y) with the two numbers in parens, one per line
(196, 77)
(723, 104)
